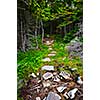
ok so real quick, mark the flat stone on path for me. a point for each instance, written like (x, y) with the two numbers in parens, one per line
(79, 81)
(64, 58)
(56, 79)
(53, 96)
(72, 92)
(46, 59)
(49, 42)
(33, 75)
(65, 75)
(48, 68)
(50, 48)
(54, 73)
(47, 75)
(61, 88)
(46, 83)
(66, 95)
(38, 98)
(44, 98)
(51, 54)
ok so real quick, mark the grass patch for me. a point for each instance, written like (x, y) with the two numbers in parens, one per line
(30, 61)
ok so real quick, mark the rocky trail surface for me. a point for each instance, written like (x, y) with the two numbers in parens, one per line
(50, 83)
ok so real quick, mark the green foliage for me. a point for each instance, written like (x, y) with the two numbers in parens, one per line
(50, 10)
(30, 61)
(66, 11)
(71, 35)
(81, 39)
(68, 37)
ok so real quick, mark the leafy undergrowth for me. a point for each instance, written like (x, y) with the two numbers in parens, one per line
(30, 61)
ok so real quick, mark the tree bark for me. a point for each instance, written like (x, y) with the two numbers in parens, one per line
(39, 31)
(42, 31)
(22, 37)
(36, 34)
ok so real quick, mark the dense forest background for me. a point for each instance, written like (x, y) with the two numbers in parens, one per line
(37, 18)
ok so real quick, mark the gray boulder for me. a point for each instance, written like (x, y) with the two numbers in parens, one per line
(75, 49)
(53, 96)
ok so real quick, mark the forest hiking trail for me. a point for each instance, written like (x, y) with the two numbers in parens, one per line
(51, 83)
(49, 50)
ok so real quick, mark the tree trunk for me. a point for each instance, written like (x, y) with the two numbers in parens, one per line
(65, 30)
(36, 34)
(22, 37)
(39, 31)
(42, 31)
(50, 27)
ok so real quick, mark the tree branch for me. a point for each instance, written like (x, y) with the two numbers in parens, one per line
(25, 2)
(20, 8)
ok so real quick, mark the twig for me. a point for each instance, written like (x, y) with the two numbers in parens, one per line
(21, 8)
